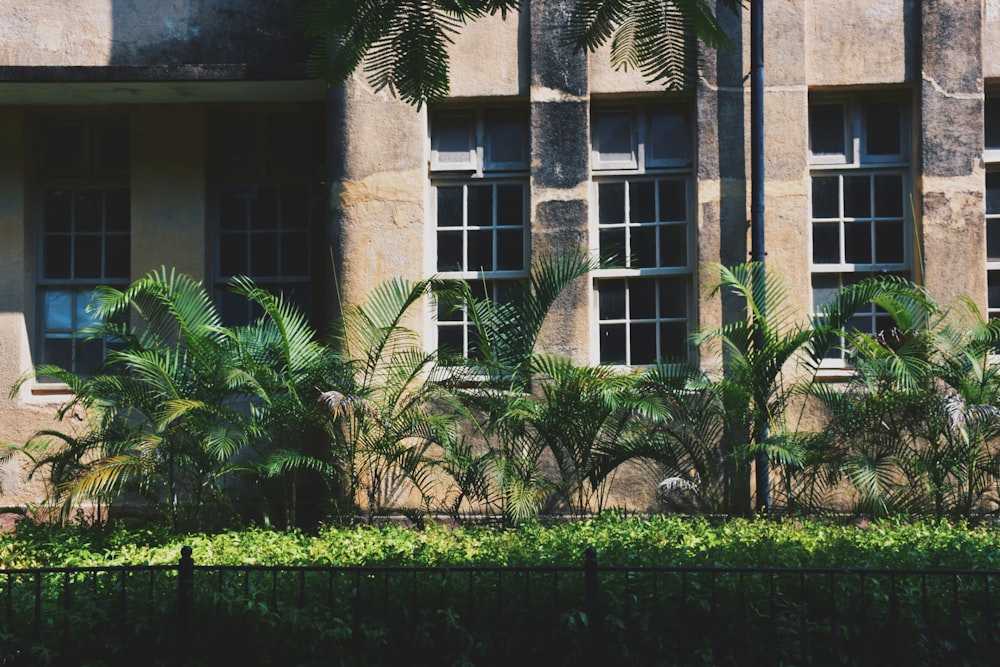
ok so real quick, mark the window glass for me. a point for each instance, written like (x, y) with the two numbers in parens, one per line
(826, 129)
(614, 139)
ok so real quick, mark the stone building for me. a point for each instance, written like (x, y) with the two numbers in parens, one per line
(186, 133)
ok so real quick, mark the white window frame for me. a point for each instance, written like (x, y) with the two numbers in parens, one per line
(481, 172)
(643, 169)
(858, 163)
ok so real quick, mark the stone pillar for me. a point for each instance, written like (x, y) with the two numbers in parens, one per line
(952, 179)
(377, 160)
(560, 168)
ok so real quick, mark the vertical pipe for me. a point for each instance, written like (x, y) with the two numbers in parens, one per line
(757, 247)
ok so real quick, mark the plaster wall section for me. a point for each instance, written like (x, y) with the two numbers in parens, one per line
(379, 200)
(488, 57)
(168, 190)
(137, 32)
(560, 169)
(951, 142)
(23, 414)
(855, 42)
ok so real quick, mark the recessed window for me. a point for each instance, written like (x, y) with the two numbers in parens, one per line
(642, 179)
(265, 204)
(84, 207)
(859, 198)
(480, 211)
(992, 153)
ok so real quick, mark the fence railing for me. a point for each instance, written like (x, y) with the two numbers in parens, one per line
(587, 614)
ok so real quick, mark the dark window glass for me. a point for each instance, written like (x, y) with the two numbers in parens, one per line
(826, 129)
(992, 118)
(611, 203)
(882, 129)
(825, 197)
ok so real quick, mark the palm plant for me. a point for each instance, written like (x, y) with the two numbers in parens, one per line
(917, 428)
(754, 392)
(496, 385)
(163, 411)
(380, 416)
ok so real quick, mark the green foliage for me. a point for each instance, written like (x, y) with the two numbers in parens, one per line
(403, 46)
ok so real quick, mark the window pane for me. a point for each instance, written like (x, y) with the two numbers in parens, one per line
(506, 140)
(993, 239)
(233, 211)
(57, 210)
(611, 299)
(642, 299)
(673, 340)
(826, 243)
(992, 112)
(644, 247)
(264, 209)
(882, 129)
(449, 251)
(612, 343)
(826, 129)
(449, 207)
(480, 250)
(673, 205)
(295, 254)
(614, 138)
(510, 249)
(857, 243)
(857, 196)
(87, 257)
(673, 297)
(993, 287)
(889, 242)
(510, 205)
(450, 340)
(453, 141)
(56, 256)
(673, 245)
(264, 255)
(233, 255)
(612, 245)
(643, 343)
(59, 351)
(825, 197)
(611, 203)
(84, 317)
(88, 210)
(642, 201)
(58, 310)
(993, 192)
(480, 205)
(668, 138)
(889, 196)
(824, 285)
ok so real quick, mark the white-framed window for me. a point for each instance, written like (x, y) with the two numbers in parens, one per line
(479, 208)
(84, 231)
(991, 155)
(860, 194)
(642, 205)
(265, 175)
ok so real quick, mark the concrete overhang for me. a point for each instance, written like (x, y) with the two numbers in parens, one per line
(158, 84)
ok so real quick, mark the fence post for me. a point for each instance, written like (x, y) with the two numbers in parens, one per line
(593, 617)
(185, 606)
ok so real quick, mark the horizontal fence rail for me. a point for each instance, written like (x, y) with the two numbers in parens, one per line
(584, 615)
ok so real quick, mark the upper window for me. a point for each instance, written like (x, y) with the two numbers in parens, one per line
(266, 177)
(479, 183)
(642, 196)
(860, 197)
(84, 231)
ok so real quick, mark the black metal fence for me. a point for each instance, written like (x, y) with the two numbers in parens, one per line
(588, 614)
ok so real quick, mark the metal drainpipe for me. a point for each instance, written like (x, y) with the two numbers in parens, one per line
(757, 251)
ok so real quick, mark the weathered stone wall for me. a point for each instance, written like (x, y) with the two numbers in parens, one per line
(138, 32)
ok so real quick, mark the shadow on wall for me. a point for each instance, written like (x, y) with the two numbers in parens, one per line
(175, 32)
